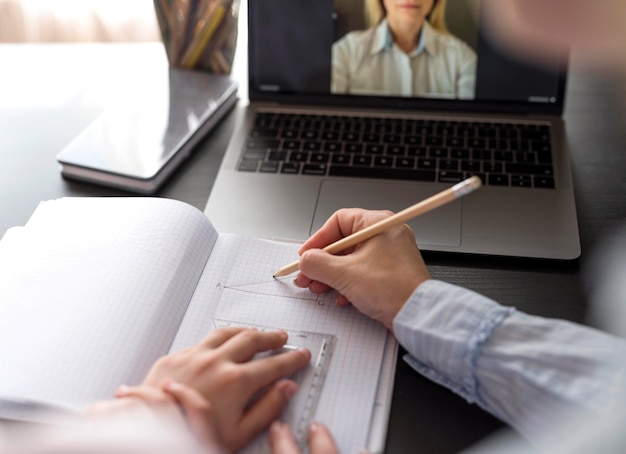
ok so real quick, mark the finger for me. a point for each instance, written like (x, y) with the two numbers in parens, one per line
(319, 287)
(103, 408)
(265, 371)
(268, 407)
(243, 346)
(325, 268)
(342, 223)
(342, 300)
(302, 281)
(198, 411)
(148, 394)
(217, 337)
(281, 439)
(144, 401)
(320, 440)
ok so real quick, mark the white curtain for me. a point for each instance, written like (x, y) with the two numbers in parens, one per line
(77, 20)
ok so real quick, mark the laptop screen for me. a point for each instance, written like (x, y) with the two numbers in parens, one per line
(408, 54)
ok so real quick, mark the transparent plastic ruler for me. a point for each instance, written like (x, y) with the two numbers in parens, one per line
(301, 410)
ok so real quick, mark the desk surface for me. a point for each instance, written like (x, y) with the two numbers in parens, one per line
(49, 93)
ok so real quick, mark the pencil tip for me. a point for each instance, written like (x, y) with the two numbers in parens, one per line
(274, 276)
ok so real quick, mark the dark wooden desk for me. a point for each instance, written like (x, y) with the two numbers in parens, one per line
(45, 102)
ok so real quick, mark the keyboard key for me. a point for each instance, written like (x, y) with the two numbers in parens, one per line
(503, 156)
(383, 161)
(498, 179)
(319, 158)
(350, 137)
(289, 134)
(521, 181)
(332, 146)
(269, 167)
(298, 156)
(311, 146)
(264, 132)
(255, 153)
(413, 140)
(314, 169)
(541, 147)
(330, 135)
(417, 151)
(446, 176)
(533, 169)
(396, 150)
(277, 156)
(438, 152)
(456, 142)
(544, 182)
(340, 158)
(290, 168)
(263, 143)
(448, 164)
(374, 149)
(405, 163)
(248, 165)
(481, 154)
(371, 138)
(525, 157)
(459, 153)
(362, 160)
(353, 148)
(434, 141)
(494, 167)
(426, 163)
(310, 135)
(292, 145)
(471, 166)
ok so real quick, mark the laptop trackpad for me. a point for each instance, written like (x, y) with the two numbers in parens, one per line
(440, 227)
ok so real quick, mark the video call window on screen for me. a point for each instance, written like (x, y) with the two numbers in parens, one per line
(434, 49)
(403, 48)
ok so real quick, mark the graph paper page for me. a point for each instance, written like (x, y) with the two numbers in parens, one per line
(237, 285)
(92, 293)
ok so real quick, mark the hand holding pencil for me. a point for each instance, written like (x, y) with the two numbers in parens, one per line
(376, 275)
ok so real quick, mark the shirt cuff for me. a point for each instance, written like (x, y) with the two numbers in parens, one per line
(443, 327)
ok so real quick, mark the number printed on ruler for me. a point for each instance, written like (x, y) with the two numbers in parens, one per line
(301, 409)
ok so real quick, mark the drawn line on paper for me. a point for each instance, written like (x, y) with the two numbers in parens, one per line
(239, 288)
(249, 284)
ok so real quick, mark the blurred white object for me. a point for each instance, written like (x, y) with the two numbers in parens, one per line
(78, 21)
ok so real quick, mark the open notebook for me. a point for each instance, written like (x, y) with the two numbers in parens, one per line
(94, 290)
(340, 117)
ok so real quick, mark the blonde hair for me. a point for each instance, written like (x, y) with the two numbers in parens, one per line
(375, 12)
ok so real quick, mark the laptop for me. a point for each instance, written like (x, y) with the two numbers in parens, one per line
(305, 149)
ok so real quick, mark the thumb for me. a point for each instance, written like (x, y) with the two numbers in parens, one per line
(323, 267)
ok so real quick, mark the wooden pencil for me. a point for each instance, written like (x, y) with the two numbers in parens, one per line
(426, 205)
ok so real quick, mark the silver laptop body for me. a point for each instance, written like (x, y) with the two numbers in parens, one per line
(290, 73)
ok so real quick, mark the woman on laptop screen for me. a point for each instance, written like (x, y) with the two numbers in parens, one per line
(406, 51)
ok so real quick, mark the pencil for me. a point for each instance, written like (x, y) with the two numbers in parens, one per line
(194, 52)
(426, 205)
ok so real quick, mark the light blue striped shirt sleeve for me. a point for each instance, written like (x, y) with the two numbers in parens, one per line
(528, 371)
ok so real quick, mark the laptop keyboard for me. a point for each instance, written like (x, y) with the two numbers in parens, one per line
(501, 154)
